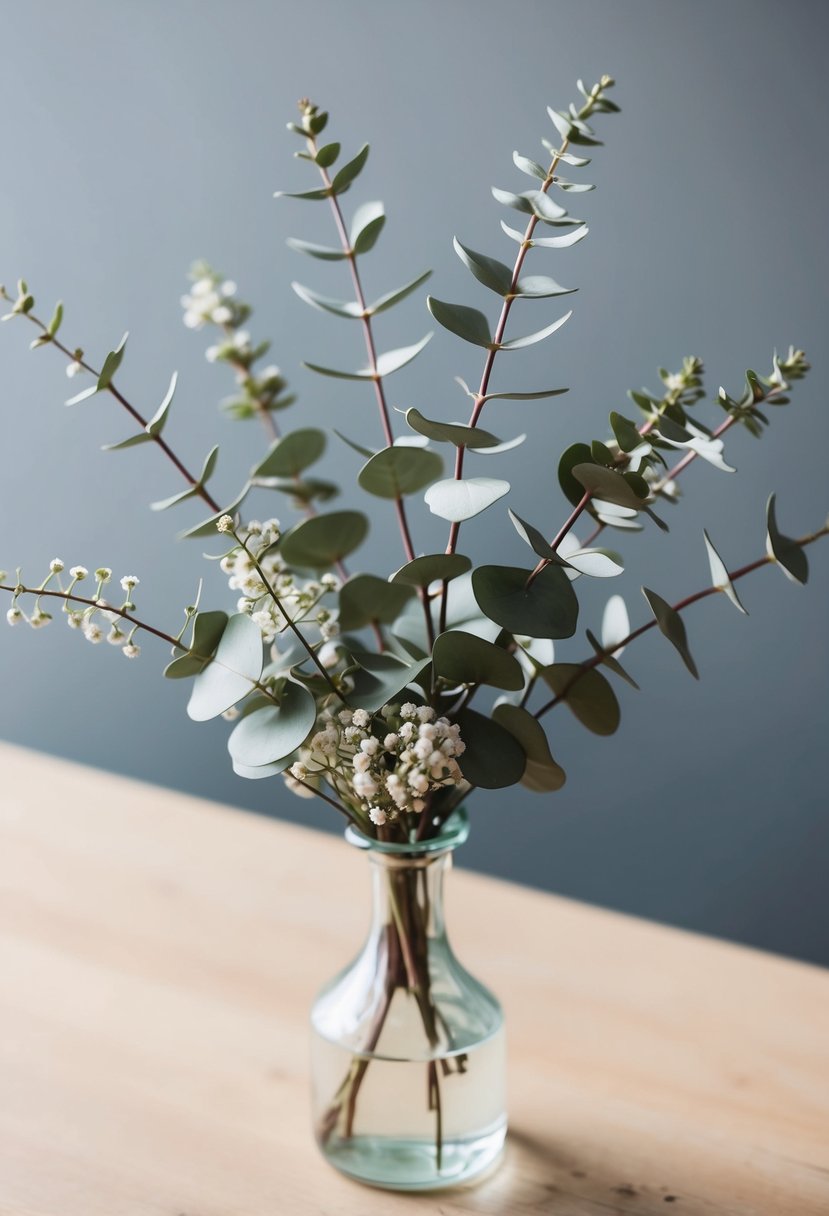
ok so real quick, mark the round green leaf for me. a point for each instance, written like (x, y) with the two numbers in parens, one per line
(292, 453)
(430, 568)
(467, 323)
(319, 542)
(547, 608)
(232, 673)
(273, 733)
(541, 773)
(493, 758)
(463, 658)
(451, 432)
(397, 471)
(606, 485)
(576, 454)
(379, 678)
(366, 598)
(588, 695)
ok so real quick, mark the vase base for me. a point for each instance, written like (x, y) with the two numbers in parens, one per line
(411, 1164)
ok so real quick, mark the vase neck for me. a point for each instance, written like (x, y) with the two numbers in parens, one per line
(407, 893)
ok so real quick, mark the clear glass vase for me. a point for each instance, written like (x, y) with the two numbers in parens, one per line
(408, 1053)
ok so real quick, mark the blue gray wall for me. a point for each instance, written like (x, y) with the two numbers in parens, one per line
(137, 137)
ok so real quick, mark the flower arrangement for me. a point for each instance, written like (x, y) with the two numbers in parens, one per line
(357, 688)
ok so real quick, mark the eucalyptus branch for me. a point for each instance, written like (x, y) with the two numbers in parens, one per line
(76, 356)
(601, 655)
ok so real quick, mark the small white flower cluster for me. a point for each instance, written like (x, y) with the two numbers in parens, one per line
(84, 618)
(413, 754)
(209, 300)
(300, 600)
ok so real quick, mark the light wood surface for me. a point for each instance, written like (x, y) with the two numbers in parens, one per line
(158, 956)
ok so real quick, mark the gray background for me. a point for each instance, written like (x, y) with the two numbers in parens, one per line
(137, 137)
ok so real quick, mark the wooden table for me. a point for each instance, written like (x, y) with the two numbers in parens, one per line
(158, 955)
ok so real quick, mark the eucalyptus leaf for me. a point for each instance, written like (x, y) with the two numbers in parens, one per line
(366, 226)
(607, 485)
(349, 171)
(587, 694)
(720, 577)
(547, 392)
(467, 323)
(574, 456)
(397, 471)
(549, 242)
(532, 536)
(788, 555)
(538, 336)
(207, 527)
(271, 734)
(451, 432)
(541, 773)
(672, 626)
(184, 667)
(387, 363)
(380, 677)
(540, 287)
(357, 447)
(326, 155)
(233, 672)
(610, 662)
(561, 123)
(596, 563)
(365, 598)
(493, 274)
(323, 252)
(292, 453)
(321, 541)
(111, 364)
(463, 658)
(430, 568)
(394, 297)
(506, 446)
(493, 758)
(531, 167)
(456, 500)
(627, 435)
(547, 608)
(573, 187)
(615, 624)
(306, 195)
(340, 308)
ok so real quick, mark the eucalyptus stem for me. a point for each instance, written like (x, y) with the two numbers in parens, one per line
(596, 659)
(74, 356)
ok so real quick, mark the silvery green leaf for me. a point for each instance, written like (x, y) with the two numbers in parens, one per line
(292, 453)
(349, 171)
(627, 435)
(708, 449)
(321, 541)
(463, 658)
(587, 694)
(672, 626)
(111, 364)
(541, 773)
(607, 485)
(208, 466)
(467, 323)
(208, 628)
(569, 158)
(493, 274)
(340, 308)
(358, 447)
(493, 758)
(261, 771)
(573, 187)
(430, 568)
(131, 442)
(615, 624)
(394, 297)
(458, 500)
(164, 503)
(159, 419)
(546, 608)
(788, 555)
(532, 536)
(302, 489)
(597, 563)
(208, 526)
(400, 470)
(625, 523)
(540, 286)
(547, 392)
(506, 446)
(380, 677)
(365, 598)
(366, 226)
(55, 323)
(273, 733)
(561, 123)
(508, 198)
(538, 336)
(608, 660)
(326, 155)
(719, 574)
(530, 167)
(83, 396)
(320, 193)
(451, 432)
(316, 251)
(561, 242)
(388, 363)
(233, 672)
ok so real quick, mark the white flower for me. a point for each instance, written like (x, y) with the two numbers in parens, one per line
(345, 716)
(212, 353)
(74, 620)
(370, 746)
(39, 618)
(73, 368)
(192, 319)
(227, 288)
(79, 572)
(131, 651)
(361, 717)
(103, 574)
(377, 816)
(408, 710)
(14, 616)
(673, 382)
(55, 565)
(361, 762)
(129, 581)
(425, 713)
(390, 742)
(93, 633)
(221, 315)
(230, 715)
(116, 638)
(225, 524)
(298, 770)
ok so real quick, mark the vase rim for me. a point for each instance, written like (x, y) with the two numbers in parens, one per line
(453, 834)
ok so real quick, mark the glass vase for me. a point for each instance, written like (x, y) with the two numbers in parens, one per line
(408, 1052)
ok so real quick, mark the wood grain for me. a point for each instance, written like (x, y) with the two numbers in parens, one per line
(158, 956)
